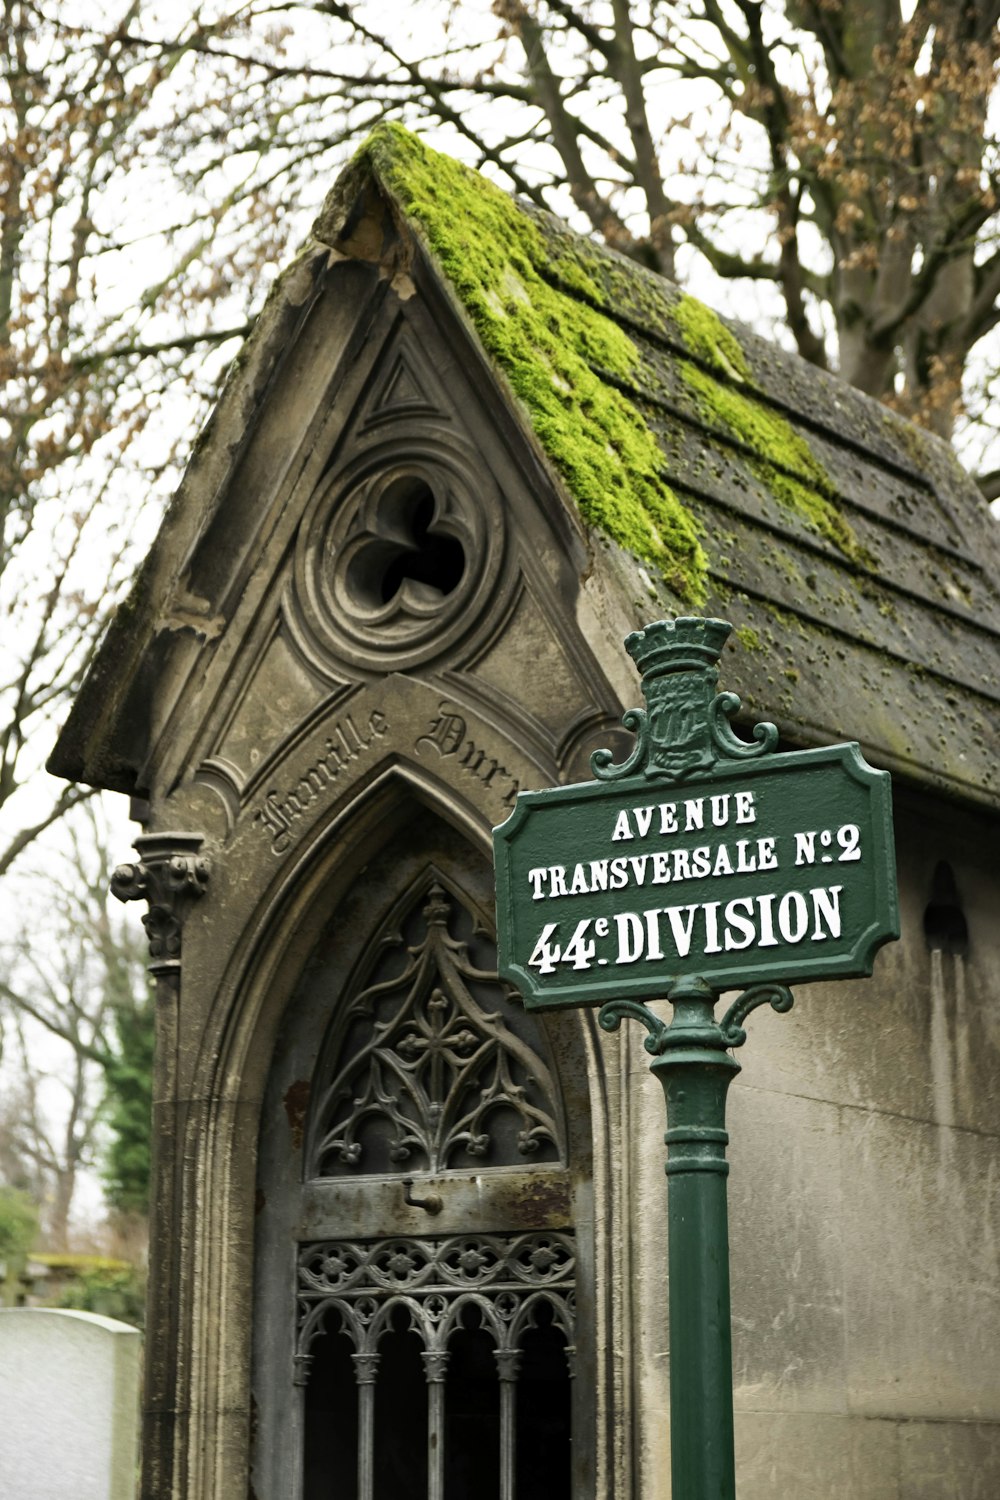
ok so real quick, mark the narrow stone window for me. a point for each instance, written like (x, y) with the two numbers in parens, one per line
(420, 1239)
(945, 927)
(460, 1346)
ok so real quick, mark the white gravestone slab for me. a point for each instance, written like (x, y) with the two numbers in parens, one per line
(69, 1386)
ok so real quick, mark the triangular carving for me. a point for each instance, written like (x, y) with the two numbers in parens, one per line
(401, 390)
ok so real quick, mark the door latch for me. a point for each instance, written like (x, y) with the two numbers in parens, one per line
(432, 1204)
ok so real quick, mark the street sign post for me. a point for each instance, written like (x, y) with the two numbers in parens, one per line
(702, 863)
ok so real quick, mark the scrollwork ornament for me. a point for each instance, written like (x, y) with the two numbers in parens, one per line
(129, 883)
(684, 728)
(505, 1303)
(187, 875)
(602, 761)
(611, 1015)
(765, 734)
(778, 996)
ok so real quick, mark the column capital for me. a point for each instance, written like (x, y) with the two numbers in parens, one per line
(170, 874)
(435, 1365)
(365, 1368)
(508, 1363)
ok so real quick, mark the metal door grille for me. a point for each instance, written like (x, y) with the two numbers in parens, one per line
(505, 1287)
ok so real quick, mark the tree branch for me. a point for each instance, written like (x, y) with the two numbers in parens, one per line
(163, 346)
(565, 130)
(68, 798)
(53, 1026)
(624, 66)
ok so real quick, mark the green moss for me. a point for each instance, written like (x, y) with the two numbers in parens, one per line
(77, 1261)
(782, 459)
(749, 638)
(549, 345)
(707, 337)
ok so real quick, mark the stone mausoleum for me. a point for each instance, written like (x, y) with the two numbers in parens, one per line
(408, 1240)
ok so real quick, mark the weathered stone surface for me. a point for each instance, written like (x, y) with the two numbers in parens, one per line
(922, 1038)
(921, 1239)
(787, 1205)
(957, 1459)
(816, 1458)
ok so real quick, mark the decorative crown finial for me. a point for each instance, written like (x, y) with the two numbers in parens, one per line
(684, 727)
(686, 644)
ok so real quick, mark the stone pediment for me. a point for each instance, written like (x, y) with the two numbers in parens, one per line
(391, 534)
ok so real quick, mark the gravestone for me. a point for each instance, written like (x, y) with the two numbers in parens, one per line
(69, 1386)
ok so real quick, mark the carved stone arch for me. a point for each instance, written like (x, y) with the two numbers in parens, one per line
(214, 1197)
(420, 848)
(285, 915)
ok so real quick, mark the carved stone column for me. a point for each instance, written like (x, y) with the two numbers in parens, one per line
(365, 1373)
(508, 1369)
(170, 874)
(435, 1370)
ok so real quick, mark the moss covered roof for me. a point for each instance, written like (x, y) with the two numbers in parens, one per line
(855, 555)
(714, 471)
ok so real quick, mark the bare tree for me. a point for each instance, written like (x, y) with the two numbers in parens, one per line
(92, 351)
(71, 972)
(836, 154)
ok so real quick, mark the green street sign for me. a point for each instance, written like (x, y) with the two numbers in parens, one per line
(701, 856)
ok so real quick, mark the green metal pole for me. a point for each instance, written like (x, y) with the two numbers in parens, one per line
(692, 1061)
(695, 1071)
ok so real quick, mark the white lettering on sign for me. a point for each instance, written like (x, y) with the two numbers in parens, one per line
(673, 817)
(661, 867)
(846, 848)
(676, 864)
(666, 932)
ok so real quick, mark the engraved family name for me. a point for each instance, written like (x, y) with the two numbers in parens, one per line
(447, 735)
(344, 743)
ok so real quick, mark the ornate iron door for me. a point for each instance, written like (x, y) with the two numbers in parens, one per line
(435, 1254)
